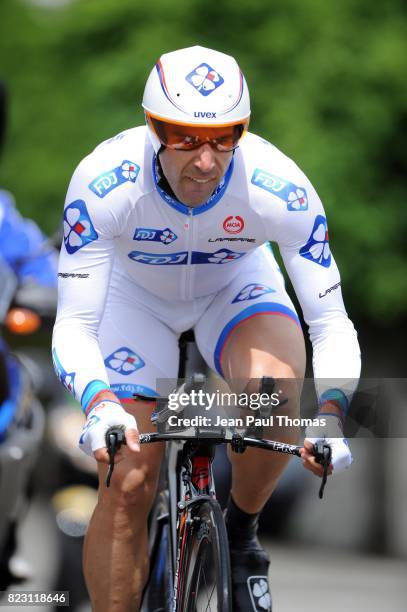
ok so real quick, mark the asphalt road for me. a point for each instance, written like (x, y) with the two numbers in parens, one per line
(325, 579)
(332, 581)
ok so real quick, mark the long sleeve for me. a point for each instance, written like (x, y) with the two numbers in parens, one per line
(85, 265)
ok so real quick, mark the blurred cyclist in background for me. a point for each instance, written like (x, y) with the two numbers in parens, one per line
(22, 244)
(23, 247)
(28, 274)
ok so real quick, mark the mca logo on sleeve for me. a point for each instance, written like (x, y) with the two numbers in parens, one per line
(78, 227)
(106, 182)
(295, 197)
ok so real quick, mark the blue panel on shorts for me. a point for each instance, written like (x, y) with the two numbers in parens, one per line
(273, 308)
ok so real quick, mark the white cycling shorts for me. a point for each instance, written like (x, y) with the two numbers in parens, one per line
(139, 331)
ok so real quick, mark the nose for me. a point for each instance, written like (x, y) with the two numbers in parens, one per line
(205, 159)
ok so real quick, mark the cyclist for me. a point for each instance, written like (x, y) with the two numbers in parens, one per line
(23, 260)
(21, 243)
(21, 240)
(167, 228)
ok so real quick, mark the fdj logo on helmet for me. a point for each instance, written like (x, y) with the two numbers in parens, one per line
(205, 79)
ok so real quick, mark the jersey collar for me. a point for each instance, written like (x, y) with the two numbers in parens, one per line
(197, 210)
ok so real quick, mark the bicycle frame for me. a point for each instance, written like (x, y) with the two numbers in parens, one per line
(190, 481)
(189, 485)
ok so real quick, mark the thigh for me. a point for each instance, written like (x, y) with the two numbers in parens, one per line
(137, 347)
(251, 324)
(135, 477)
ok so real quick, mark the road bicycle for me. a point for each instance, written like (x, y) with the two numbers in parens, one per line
(188, 543)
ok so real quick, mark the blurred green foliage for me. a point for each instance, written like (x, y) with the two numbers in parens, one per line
(328, 86)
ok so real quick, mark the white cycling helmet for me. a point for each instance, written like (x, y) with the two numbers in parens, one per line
(196, 87)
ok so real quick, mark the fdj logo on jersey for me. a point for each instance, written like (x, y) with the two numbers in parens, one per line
(252, 291)
(124, 361)
(233, 225)
(221, 257)
(166, 236)
(157, 259)
(205, 79)
(78, 227)
(106, 182)
(317, 247)
(295, 197)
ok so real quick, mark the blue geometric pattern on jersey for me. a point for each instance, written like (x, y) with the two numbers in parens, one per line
(223, 256)
(124, 361)
(165, 236)
(66, 378)
(317, 247)
(158, 259)
(295, 197)
(78, 227)
(106, 182)
(252, 291)
(204, 79)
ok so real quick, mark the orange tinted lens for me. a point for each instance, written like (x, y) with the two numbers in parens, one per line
(187, 137)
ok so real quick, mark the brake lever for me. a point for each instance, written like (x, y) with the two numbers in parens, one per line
(115, 438)
(323, 454)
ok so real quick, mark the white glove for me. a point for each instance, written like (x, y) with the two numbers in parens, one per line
(104, 415)
(332, 434)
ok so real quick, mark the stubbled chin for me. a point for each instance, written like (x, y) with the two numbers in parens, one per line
(196, 194)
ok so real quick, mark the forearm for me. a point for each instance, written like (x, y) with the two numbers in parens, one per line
(79, 363)
(336, 363)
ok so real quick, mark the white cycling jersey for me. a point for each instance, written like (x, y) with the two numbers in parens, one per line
(122, 230)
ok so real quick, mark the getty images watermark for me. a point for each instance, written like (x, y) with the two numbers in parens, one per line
(256, 402)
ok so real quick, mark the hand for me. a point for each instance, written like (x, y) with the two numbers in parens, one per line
(104, 415)
(332, 434)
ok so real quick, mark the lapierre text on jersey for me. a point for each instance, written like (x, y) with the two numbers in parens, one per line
(321, 295)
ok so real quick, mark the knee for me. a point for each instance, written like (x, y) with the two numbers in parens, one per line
(131, 491)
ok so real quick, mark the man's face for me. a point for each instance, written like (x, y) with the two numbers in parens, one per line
(194, 175)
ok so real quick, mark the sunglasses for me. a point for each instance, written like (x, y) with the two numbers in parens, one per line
(188, 137)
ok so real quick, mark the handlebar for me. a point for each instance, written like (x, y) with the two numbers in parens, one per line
(115, 438)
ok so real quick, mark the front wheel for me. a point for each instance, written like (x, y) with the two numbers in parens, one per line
(204, 565)
(158, 594)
